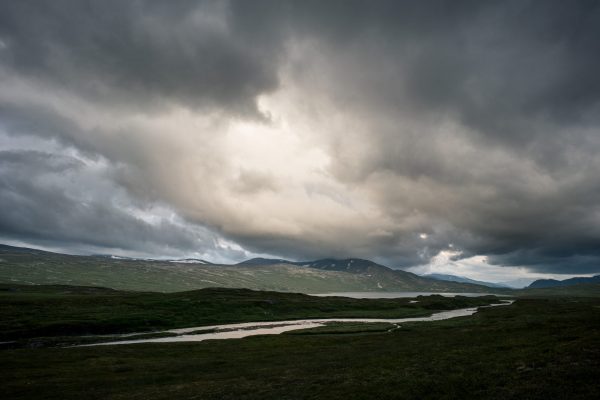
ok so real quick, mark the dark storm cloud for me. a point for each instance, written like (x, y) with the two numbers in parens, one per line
(520, 77)
(483, 59)
(471, 123)
(42, 121)
(138, 53)
(59, 199)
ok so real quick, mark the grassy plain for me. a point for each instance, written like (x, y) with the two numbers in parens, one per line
(533, 349)
(38, 312)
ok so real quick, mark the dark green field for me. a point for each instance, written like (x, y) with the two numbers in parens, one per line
(533, 349)
(34, 315)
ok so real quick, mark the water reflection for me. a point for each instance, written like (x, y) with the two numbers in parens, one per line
(398, 295)
(237, 331)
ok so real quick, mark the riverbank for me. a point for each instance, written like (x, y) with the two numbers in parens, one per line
(239, 331)
(34, 316)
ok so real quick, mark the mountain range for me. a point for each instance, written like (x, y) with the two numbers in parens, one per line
(19, 265)
(456, 278)
(30, 266)
(549, 283)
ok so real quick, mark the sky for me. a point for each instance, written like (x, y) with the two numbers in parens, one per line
(433, 136)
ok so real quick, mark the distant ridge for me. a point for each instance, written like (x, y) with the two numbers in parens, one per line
(264, 261)
(189, 261)
(326, 264)
(158, 260)
(457, 278)
(385, 278)
(347, 264)
(24, 250)
(548, 283)
(518, 283)
(20, 266)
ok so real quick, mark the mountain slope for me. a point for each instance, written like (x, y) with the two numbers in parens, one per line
(579, 290)
(548, 283)
(383, 277)
(518, 283)
(353, 275)
(456, 278)
(355, 265)
(264, 261)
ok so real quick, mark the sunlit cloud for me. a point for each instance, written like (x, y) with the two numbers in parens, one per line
(465, 144)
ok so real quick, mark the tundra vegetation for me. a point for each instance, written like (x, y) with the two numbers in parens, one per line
(537, 348)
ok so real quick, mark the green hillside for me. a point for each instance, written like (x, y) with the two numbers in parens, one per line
(27, 266)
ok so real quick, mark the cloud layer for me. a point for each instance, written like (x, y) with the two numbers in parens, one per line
(387, 130)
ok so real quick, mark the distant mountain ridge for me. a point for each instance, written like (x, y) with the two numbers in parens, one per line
(19, 265)
(457, 278)
(22, 265)
(518, 283)
(548, 283)
(190, 261)
(386, 278)
(264, 261)
(356, 265)
(327, 264)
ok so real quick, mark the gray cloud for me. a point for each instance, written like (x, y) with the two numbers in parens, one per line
(141, 53)
(389, 130)
(65, 200)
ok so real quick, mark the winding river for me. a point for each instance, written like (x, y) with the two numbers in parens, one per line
(237, 331)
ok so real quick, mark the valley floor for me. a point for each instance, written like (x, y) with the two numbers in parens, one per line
(533, 349)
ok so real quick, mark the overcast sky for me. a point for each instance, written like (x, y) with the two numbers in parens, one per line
(453, 136)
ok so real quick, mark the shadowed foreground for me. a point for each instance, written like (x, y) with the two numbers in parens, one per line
(535, 349)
